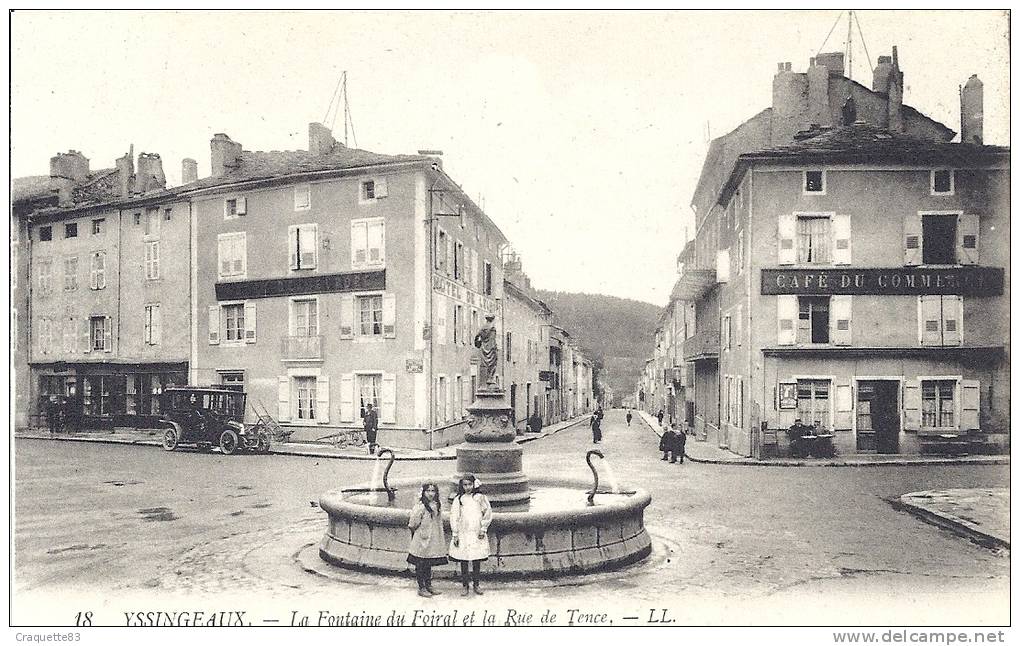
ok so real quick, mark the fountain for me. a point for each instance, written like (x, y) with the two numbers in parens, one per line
(542, 527)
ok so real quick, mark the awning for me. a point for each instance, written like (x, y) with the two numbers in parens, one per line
(693, 284)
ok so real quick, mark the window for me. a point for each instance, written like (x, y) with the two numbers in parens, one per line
(230, 209)
(938, 403)
(152, 223)
(99, 334)
(740, 252)
(45, 336)
(368, 190)
(302, 246)
(813, 402)
(813, 319)
(725, 333)
(458, 323)
(509, 346)
(368, 243)
(70, 273)
(97, 226)
(441, 389)
(233, 317)
(234, 379)
(943, 182)
(232, 254)
(813, 236)
(153, 324)
(44, 269)
(488, 279)
(71, 230)
(439, 253)
(372, 189)
(458, 261)
(70, 335)
(151, 260)
(814, 182)
(97, 275)
(45, 234)
(304, 315)
(938, 235)
(370, 315)
(302, 197)
(137, 219)
(369, 387)
(167, 214)
(940, 319)
(304, 389)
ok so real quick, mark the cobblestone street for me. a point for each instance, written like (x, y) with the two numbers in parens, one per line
(135, 525)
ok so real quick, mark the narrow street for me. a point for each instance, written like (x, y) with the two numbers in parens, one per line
(139, 523)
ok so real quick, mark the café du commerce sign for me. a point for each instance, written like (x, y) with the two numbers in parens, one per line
(896, 281)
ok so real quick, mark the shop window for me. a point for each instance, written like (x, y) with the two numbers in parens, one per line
(938, 403)
(938, 235)
(814, 235)
(813, 402)
(370, 315)
(813, 319)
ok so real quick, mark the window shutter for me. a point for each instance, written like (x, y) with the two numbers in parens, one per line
(466, 395)
(967, 239)
(388, 404)
(309, 240)
(359, 243)
(292, 245)
(249, 323)
(841, 319)
(786, 313)
(283, 399)
(475, 278)
(380, 187)
(347, 316)
(157, 325)
(347, 397)
(439, 319)
(389, 316)
(222, 247)
(449, 256)
(86, 335)
(952, 320)
(911, 406)
(94, 273)
(970, 405)
(148, 314)
(108, 334)
(322, 400)
(841, 251)
(214, 324)
(722, 266)
(929, 319)
(242, 205)
(844, 407)
(787, 233)
(912, 239)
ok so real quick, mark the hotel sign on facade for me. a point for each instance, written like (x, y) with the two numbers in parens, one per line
(908, 281)
(459, 292)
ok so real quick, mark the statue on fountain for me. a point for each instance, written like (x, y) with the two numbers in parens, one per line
(488, 352)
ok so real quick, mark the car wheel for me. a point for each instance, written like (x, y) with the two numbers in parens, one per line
(228, 442)
(170, 439)
(263, 444)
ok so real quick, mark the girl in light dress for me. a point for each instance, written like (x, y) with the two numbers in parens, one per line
(428, 542)
(470, 515)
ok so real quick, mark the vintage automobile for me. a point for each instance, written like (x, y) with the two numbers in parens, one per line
(208, 417)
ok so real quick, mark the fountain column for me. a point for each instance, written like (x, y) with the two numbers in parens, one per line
(489, 450)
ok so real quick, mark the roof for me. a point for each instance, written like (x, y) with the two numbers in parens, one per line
(31, 187)
(256, 165)
(862, 143)
(534, 303)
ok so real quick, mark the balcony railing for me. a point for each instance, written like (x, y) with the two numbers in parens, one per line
(301, 348)
(703, 345)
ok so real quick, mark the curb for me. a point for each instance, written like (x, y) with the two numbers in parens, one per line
(525, 439)
(904, 462)
(950, 523)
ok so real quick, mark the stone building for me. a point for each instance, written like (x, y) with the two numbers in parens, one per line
(850, 270)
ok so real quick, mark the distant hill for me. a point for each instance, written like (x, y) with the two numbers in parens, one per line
(618, 330)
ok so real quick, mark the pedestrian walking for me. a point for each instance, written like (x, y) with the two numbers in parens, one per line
(53, 414)
(661, 414)
(681, 444)
(668, 444)
(470, 515)
(535, 423)
(596, 428)
(629, 417)
(371, 420)
(428, 542)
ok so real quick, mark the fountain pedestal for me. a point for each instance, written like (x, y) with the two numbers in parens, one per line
(490, 452)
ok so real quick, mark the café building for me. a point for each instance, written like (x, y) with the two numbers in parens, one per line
(863, 287)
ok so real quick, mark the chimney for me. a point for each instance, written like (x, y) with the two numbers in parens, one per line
(895, 94)
(818, 112)
(71, 165)
(789, 103)
(883, 71)
(226, 154)
(832, 61)
(150, 175)
(126, 173)
(320, 139)
(972, 111)
(189, 170)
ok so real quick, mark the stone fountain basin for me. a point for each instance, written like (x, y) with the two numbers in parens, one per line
(557, 534)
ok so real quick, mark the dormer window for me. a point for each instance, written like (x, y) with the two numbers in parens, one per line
(814, 182)
(943, 182)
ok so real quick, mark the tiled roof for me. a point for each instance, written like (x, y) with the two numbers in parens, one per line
(31, 187)
(257, 165)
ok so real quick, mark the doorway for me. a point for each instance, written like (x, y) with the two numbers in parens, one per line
(878, 416)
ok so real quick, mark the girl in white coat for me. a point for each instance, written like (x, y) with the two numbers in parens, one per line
(470, 515)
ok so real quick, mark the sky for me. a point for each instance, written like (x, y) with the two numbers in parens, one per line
(581, 134)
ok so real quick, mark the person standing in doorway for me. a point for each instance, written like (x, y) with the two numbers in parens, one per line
(596, 428)
(371, 420)
(428, 542)
(629, 417)
(470, 515)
